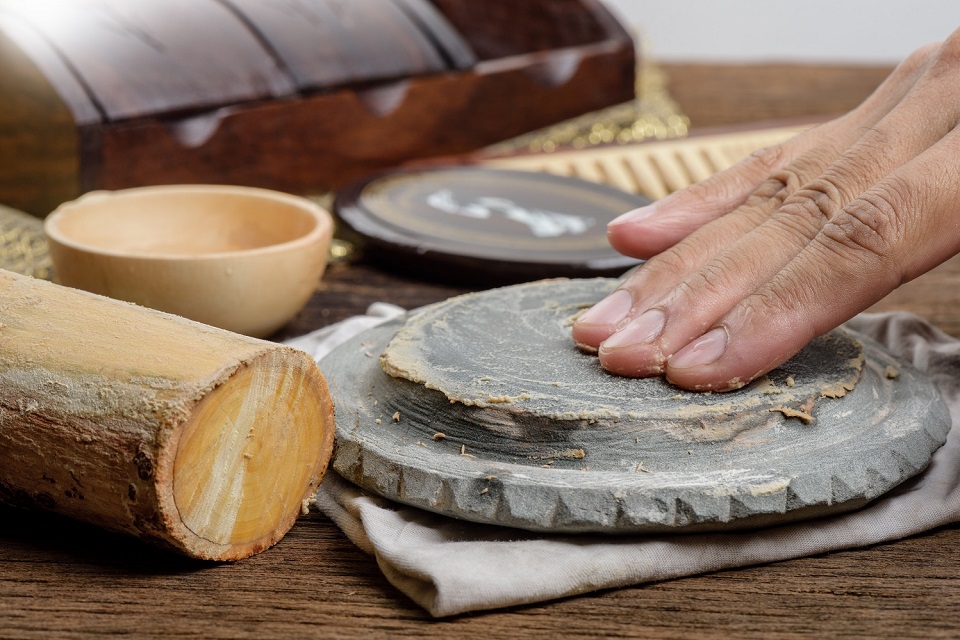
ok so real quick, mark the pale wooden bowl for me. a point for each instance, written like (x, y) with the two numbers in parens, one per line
(239, 258)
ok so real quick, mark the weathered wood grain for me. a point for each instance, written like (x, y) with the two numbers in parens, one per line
(725, 94)
(59, 578)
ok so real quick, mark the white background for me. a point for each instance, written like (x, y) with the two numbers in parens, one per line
(859, 31)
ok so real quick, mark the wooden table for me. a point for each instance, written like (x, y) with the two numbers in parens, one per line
(63, 579)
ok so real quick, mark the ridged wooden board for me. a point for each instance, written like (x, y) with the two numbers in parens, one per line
(516, 427)
(653, 169)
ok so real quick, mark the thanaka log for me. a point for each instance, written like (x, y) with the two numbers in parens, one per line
(201, 440)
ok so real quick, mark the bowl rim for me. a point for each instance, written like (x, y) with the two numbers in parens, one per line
(323, 219)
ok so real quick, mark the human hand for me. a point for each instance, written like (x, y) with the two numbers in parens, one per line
(748, 266)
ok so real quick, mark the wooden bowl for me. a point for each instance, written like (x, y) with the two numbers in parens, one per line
(239, 258)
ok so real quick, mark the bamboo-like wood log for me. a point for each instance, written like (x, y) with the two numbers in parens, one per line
(202, 440)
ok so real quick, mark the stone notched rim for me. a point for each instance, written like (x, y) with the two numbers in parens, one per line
(857, 448)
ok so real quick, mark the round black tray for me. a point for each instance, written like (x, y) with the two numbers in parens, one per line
(476, 224)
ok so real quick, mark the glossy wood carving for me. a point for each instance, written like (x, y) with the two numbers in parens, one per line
(299, 95)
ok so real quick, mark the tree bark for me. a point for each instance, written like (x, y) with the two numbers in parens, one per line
(201, 440)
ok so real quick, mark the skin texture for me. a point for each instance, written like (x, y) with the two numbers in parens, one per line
(745, 268)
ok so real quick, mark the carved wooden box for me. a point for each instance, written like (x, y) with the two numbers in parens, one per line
(298, 95)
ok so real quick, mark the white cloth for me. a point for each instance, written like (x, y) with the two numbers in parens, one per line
(450, 566)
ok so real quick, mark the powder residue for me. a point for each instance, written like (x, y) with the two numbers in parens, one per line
(506, 398)
(790, 412)
(774, 486)
(566, 454)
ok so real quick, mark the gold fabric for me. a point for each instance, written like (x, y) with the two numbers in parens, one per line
(652, 115)
(23, 245)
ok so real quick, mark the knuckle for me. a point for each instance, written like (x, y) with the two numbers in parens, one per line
(946, 58)
(735, 184)
(872, 225)
(776, 189)
(950, 47)
(919, 60)
(767, 159)
(814, 204)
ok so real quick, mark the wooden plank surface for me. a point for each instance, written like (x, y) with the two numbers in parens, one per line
(724, 94)
(61, 579)
(58, 579)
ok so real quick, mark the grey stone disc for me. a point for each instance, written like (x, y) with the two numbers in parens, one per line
(492, 415)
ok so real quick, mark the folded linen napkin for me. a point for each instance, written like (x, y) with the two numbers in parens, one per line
(450, 566)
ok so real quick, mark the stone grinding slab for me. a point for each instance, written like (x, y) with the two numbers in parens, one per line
(492, 415)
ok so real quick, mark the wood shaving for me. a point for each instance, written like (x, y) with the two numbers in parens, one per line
(891, 372)
(396, 417)
(439, 435)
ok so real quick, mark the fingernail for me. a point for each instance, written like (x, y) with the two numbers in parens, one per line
(610, 310)
(642, 330)
(707, 349)
(634, 216)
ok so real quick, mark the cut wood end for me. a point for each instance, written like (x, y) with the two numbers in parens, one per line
(253, 450)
